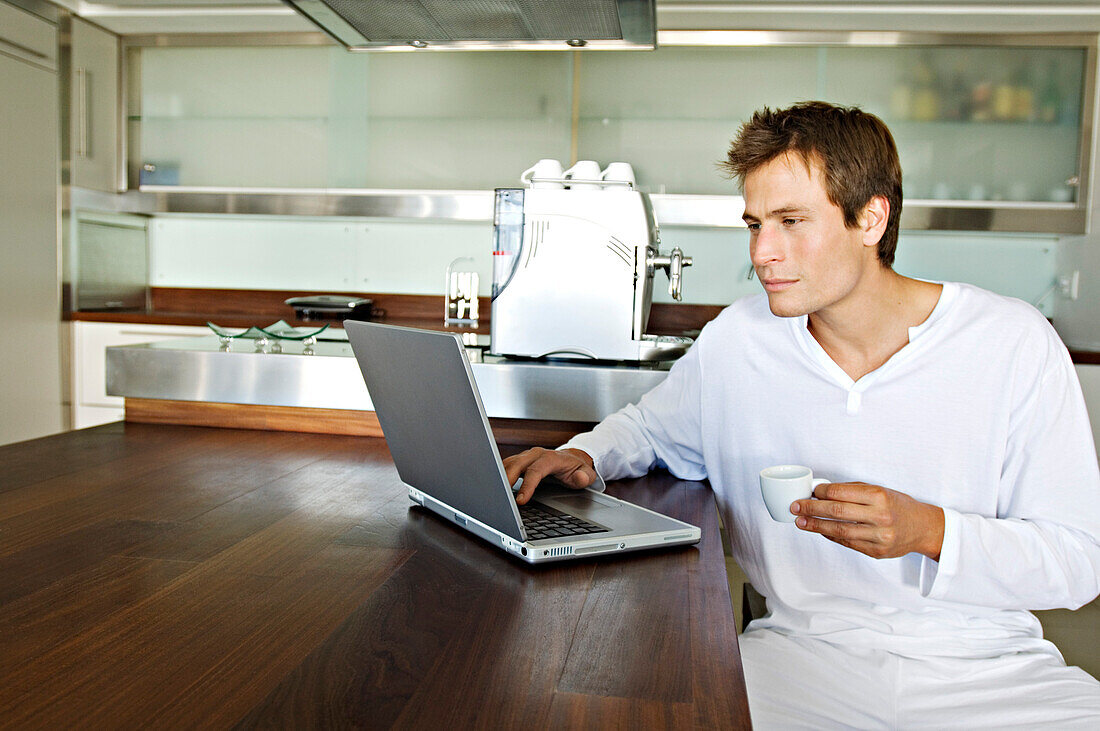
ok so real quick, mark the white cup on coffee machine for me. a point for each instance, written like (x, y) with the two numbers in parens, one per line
(782, 485)
(586, 173)
(618, 175)
(545, 173)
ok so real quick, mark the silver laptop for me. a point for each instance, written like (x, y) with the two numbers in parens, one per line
(423, 391)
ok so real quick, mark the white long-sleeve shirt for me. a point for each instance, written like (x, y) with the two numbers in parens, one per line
(980, 413)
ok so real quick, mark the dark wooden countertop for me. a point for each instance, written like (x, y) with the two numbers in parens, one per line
(157, 576)
(242, 308)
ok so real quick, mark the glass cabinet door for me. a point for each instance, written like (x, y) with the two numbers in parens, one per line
(316, 117)
(972, 123)
(1000, 123)
(472, 120)
(976, 125)
(235, 117)
(672, 113)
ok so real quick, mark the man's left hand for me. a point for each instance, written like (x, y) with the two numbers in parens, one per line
(875, 520)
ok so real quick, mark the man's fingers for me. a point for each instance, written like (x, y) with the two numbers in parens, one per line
(572, 472)
(871, 519)
(848, 492)
(517, 464)
(832, 509)
(837, 529)
(537, 463)
(863, 538)
(547, 463)
(531, 480)
(581, 477)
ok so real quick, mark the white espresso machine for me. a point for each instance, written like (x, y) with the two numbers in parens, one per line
(573, 275)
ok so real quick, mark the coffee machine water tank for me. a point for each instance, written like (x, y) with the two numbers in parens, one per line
(507, 237)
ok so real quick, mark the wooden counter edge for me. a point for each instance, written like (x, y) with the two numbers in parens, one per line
(242, 308)
(1085, 357)
(326, 421)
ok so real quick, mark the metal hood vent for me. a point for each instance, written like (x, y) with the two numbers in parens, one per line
(406, 25)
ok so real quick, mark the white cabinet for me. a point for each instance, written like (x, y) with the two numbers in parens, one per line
(91, 404)
(30, 292)
(94, 108)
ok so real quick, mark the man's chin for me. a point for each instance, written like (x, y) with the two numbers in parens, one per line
(781, 307)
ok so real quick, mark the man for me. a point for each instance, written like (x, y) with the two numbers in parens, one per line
(965, 487)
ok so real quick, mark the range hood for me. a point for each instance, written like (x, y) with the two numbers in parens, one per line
(407, 25)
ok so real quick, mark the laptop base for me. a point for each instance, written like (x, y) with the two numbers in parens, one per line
(549, 550)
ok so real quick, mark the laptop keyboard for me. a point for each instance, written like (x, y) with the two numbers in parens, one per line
(542, 521)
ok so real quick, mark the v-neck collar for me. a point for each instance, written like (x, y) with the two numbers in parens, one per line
(800, 326)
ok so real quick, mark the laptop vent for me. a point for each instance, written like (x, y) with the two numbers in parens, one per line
(563, 551)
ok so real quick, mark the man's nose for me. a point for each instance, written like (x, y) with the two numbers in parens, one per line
(765, 247)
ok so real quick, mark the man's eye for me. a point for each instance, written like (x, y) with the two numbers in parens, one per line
(754, 227)
(790, 221)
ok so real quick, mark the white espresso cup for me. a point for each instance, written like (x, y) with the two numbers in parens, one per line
(545, 173)
(586, 173)
(782, 485)
(617, 173)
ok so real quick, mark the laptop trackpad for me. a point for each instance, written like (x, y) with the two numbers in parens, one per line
(586, 500)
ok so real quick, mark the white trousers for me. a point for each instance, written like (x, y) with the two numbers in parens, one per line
(802, 683)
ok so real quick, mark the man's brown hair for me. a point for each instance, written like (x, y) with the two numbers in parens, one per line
(854, 149)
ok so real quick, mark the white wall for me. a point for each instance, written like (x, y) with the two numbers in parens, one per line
(1090, 384)
(1078, 321)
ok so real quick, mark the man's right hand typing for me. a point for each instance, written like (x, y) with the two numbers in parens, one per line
(572, 467)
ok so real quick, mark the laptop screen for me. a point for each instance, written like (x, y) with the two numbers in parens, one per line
(422, 389)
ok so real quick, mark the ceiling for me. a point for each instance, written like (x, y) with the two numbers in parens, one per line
(129, 17)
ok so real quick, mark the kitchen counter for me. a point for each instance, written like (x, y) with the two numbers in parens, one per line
(199, 382)
(245, 307)
(242, 308)
(168, 576)
(326, 376)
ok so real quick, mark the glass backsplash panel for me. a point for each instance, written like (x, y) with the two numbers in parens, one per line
(411, 257)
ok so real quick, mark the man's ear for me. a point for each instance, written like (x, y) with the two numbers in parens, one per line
(873, 220)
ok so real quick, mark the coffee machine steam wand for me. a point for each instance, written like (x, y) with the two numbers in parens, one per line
(673, 264)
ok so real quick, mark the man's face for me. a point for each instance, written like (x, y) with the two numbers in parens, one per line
(804, 256)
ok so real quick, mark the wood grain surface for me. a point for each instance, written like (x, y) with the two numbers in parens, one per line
(245, 307)
(158, 576)
(527, 432)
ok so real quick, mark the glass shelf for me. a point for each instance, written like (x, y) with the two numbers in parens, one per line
(229, 118)
(317, 118)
